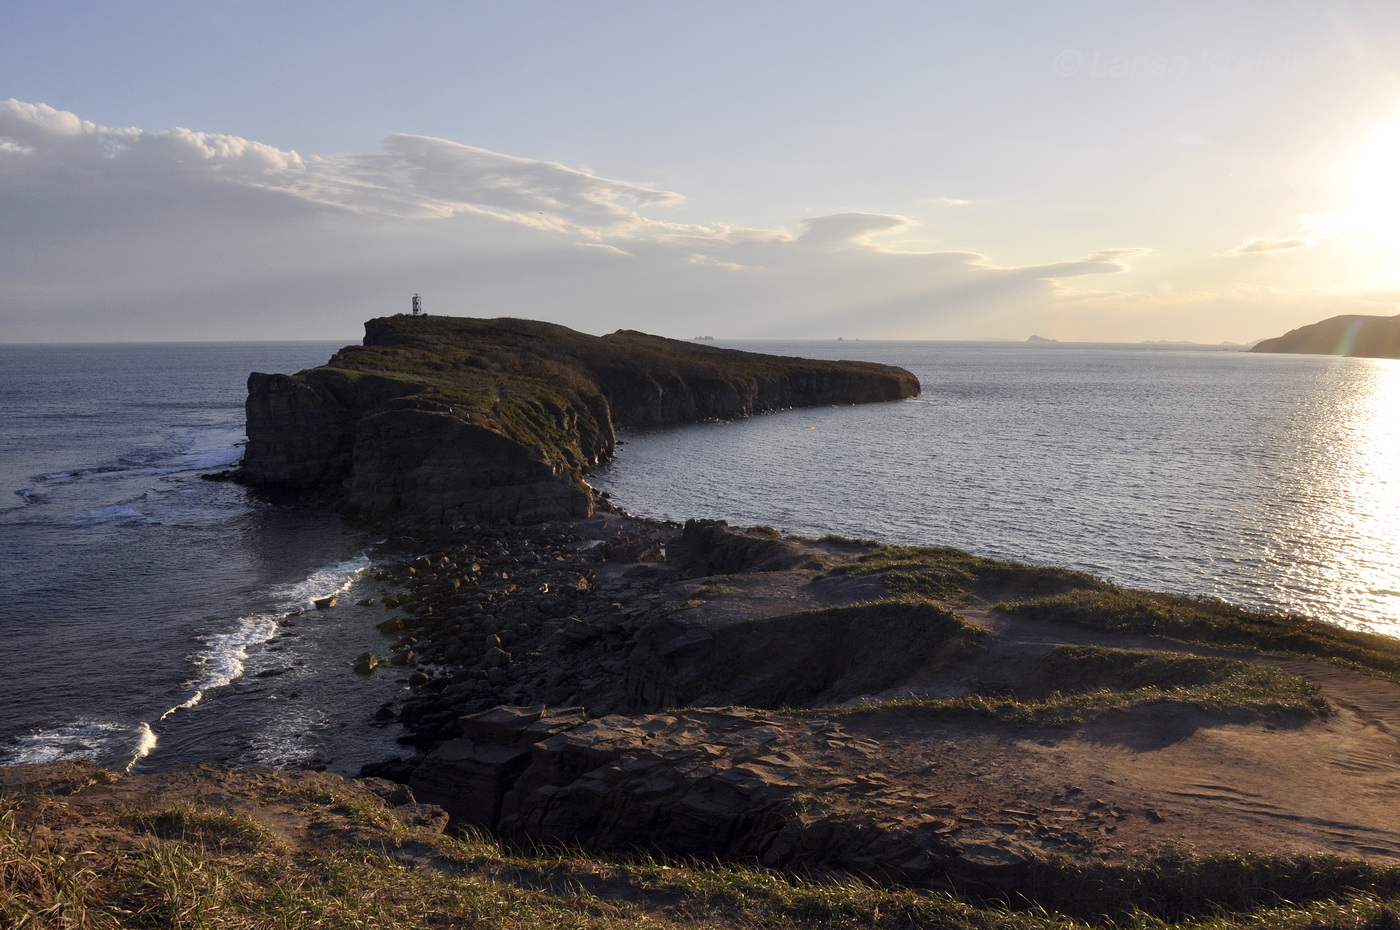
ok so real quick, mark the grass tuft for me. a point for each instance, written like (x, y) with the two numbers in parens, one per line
(1177, 884)
(185, 882)
(1199, 620)
(1078, 683)
(186, 823)
(943, 573)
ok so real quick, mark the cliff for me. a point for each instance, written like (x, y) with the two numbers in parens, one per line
(1359, 336)
(439, 420)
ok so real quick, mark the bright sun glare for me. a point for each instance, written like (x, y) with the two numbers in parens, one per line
(1371, 176)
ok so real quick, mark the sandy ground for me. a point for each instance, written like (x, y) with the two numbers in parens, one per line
(1128, 782)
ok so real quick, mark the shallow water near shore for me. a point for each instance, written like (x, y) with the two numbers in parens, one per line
(146, 610)
(145, 621)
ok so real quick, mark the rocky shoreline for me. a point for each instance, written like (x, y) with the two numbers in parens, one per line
(826, 708)
(551, 614)
(617, 684)
(576, 683)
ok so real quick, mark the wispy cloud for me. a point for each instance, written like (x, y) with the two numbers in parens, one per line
(131, 233)
(1311, 231)
(844, 230)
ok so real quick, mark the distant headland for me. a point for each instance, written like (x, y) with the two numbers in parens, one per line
(1352, 335)
(436, 421)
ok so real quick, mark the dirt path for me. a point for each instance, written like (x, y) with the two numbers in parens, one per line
(1127, 781)
(1137, 780)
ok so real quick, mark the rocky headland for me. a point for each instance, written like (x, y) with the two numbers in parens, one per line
(1352, 335)
(438, 422)
(613, 721)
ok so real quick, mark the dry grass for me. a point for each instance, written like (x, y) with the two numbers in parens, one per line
(203, 868)
(1200, 620)
(1078, 683)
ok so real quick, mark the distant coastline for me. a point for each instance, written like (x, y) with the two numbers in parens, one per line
(1352, 335)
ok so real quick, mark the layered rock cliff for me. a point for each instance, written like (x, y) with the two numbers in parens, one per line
(435, 421)
(1359, 336)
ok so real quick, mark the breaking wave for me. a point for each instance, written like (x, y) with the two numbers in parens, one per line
(108, 743)
(188, 452)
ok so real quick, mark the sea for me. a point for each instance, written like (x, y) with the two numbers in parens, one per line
(150, 617)
(153, 618)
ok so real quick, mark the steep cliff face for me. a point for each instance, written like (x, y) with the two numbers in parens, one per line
(652, 381)
(436, 421)
(1359, 336)
(439, 470)
(301, 428)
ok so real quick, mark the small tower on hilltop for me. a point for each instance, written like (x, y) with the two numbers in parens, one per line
(418, 306)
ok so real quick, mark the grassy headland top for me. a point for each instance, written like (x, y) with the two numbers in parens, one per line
(631, 370)
(522, 394)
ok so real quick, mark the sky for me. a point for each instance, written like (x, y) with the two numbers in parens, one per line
(1083, 171)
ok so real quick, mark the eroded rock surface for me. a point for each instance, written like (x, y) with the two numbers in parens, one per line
(616, 718)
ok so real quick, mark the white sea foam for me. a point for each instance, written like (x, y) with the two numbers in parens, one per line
(219, 662)
(189, 452)
(225, 654)
(220, 457)
(333, 579)
(146, 742)
(94, 740)
(116, 513)
(76, 473)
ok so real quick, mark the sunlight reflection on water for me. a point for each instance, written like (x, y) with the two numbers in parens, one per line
(1346, 525)
(1268, 481)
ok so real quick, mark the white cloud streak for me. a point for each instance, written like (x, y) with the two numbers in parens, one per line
(129, 233)
(1311, 231)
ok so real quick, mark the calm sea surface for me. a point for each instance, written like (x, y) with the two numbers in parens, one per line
(145, 610)
(1270, 481)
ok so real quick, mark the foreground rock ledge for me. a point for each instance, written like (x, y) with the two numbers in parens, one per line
(702, 691)
(440, 421)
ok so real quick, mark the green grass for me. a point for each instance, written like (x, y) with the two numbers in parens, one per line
(943, 573)
(711, 590)
(327, 803)
(1075, 684)
(1193, 620)
(1178, 884)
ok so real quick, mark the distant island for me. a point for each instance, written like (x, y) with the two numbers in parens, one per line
(1351, 335)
